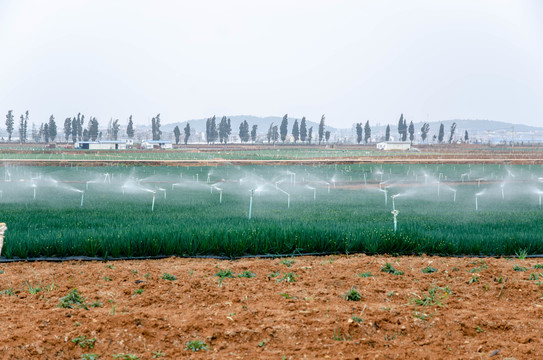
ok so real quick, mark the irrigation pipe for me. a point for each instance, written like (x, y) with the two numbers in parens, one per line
(219, 257)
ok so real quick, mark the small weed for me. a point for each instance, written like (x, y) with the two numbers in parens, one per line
(168, 277)
(386, 308)
(352, 295)
(455, 269)
(287, 262)
(499, 280)
(392, 293)
(110, 266)
(473, 280)
(223, 274)
(125, 356)
(478, 268)
(246, 274)
(196, 345)
(519, 268)
(435, 296)
(147, 276)
(357, 319)
(428, 270)
(341, 335)
(107, 278)
(478, 329)
(72, 300)
(138, 292)
(388, 268)
(366, 274)
(486, 287)
(8, 292)
(535, 276)
(274, 274)
(158, 354)
(538, 266)
(521, 254)
(134, 271)
(287, 296)
(83, 342)
(288, 277)
(2, 272)
(421, 315)
(263, 343)
(96, 304)
(31, 289)
(90, 356)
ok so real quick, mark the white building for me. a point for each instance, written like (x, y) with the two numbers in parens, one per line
(156, 144)
(394, 145)
(102, 145)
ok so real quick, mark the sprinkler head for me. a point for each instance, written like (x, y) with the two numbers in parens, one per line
(395, 212)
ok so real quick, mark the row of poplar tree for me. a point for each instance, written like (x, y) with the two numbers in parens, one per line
(74, 127)
(300, 131)
(404, 129)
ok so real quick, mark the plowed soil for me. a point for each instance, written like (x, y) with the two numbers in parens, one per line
(293, 308)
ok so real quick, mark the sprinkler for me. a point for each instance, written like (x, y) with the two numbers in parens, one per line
(454, 196)
(386, 195)
(1, 194)
(107, 177)
(395, 213)
(365, 183)
(219, 190)
(34, 186)
(503, 194)
(476, 199)
(208, 178)
(251, 202)
(393, 197)
(288, 196)
(82, 198)
(164, 191)
(314, 191)
(196, 177)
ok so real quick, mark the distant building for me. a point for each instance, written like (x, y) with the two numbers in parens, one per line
(102, 145)
(394, 145)
(156, 144)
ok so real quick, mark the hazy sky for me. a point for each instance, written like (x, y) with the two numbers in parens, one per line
(351, 60)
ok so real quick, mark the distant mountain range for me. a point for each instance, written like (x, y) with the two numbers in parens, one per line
(199, 125)
(469, 125)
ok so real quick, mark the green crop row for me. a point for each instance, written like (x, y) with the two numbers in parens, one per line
(42, 208)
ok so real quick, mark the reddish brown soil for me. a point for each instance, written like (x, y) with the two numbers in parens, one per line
(263, 318)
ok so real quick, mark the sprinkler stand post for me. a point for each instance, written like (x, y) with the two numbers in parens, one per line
(395, 213)
(251, 203)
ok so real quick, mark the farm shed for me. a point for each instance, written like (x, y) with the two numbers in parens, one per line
(156, 144)
(102, 145)
(394, 145)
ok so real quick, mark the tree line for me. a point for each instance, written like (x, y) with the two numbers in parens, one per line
(75, 128)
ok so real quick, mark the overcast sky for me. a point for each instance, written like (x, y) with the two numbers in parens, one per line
(350, 60)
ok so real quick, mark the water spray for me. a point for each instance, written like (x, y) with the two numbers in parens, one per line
(503, 194)
(82, 198)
